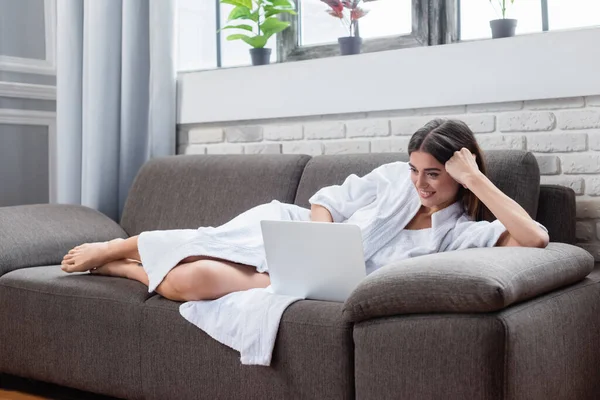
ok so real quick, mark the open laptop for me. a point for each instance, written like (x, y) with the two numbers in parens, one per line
(314, 260)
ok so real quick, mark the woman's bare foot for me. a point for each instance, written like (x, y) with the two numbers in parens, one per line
(86, 257)
(129, 269)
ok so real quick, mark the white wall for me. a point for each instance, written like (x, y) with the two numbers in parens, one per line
(27, 100)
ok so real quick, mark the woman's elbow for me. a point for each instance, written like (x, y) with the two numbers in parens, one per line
(539, 241)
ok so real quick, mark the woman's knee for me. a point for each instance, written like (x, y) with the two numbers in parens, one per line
(191, 281)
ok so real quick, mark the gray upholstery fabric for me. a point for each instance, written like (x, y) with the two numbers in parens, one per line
(35, 235)
(429, 357)
(556, 211)
(78, 330)
(312, 359)
(329, 170)
(515, 172)
(553, 345)
(191, 191)
(546, 348)
(46, 390)
(473, 280)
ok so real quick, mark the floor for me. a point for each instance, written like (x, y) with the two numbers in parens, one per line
(5, 395)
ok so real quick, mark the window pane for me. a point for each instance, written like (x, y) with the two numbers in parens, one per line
(563, 14)
(475, 17)
(385, 18)
(237, 52)
(196, 30)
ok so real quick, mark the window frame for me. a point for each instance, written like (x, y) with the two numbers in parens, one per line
(433, 22)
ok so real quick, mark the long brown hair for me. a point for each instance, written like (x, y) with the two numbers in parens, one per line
(441, 138)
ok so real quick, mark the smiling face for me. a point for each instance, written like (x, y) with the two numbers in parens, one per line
(435, 186)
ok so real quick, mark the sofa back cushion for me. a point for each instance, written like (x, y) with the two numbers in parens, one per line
(515, 172)
(185, 192)
(322, 171)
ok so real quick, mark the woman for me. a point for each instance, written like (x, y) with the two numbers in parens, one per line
(436, 202)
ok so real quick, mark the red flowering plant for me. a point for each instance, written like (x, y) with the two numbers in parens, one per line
(348, 12)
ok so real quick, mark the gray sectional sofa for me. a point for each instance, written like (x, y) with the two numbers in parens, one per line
(480, 324)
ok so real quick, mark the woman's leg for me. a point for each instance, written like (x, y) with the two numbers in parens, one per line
(92, 255)
(202, 279)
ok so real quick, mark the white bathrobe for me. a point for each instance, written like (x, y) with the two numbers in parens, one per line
(381, 203)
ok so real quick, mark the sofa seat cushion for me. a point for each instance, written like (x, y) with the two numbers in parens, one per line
(312, 358)
(76, 330)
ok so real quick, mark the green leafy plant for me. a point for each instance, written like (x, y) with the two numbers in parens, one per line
(258, 18)
(502, 5)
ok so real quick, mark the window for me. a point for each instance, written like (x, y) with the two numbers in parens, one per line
(532, 15)
(196, 31)
(475, 16)
(390, 24)
(385, 18)
(200, 46)
(563, 14)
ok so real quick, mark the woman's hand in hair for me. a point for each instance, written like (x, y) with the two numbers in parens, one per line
(462, 167)
(521, 229)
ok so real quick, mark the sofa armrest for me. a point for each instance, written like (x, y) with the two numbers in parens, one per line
(556, 211)
(35, 235)
(467, 281)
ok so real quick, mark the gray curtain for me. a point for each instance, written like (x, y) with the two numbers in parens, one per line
(115, 96)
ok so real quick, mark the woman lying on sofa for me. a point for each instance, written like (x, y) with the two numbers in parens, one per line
(436, 202)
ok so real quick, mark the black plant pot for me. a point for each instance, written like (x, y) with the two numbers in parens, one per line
(260, 56)
(350, 45)
(502, 28)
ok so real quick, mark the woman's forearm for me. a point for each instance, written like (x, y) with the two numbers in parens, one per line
(320, 214)
(518, 223)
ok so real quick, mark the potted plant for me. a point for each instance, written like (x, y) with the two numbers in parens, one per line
(348, 12)
(504, 27)
(258, 18)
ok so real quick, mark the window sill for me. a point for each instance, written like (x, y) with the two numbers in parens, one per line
(536, 66)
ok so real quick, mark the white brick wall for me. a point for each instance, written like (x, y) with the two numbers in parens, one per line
(553, 143)
(368, 128)
(563, 134)
(347, 147)
(527, 121)
(324, 130)
(283, 132)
